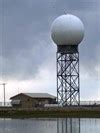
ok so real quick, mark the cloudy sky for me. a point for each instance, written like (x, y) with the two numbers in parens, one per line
(28, 55)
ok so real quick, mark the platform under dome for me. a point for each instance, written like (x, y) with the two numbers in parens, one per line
(67, 30)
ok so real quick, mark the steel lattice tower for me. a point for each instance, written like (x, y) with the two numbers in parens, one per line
(67, 32)
(68, 75)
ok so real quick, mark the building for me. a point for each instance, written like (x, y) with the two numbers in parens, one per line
(30, 100)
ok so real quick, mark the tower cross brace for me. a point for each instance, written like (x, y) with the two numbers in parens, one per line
(68, 92)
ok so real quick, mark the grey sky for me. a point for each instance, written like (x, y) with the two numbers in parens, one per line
(25, 43)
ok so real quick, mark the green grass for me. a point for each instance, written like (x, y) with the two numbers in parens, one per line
(49, 113)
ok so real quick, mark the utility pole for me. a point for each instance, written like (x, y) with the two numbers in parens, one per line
(4, 92)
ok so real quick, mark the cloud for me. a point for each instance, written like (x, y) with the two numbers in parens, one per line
(25, 39)
(25, 43)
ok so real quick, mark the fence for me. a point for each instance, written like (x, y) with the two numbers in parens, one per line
(7, 104)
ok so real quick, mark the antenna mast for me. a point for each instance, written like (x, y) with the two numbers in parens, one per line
(4, 84)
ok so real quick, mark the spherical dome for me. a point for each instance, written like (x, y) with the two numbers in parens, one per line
(67, 30)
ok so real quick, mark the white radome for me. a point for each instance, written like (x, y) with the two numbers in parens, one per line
(67, 30)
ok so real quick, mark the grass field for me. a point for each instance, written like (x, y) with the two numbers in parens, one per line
(78, 112)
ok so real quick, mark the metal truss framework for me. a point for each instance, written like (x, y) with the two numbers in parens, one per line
(68, 78)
